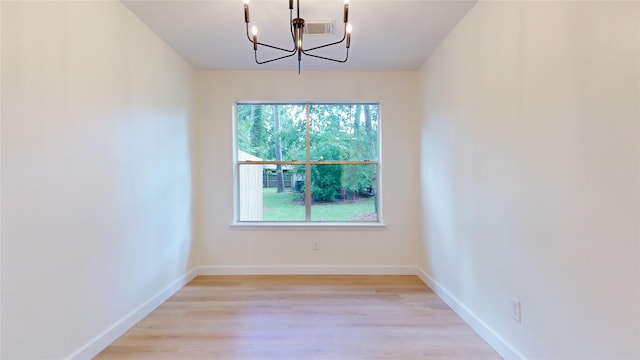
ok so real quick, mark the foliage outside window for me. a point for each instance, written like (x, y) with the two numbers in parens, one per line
(307, 162)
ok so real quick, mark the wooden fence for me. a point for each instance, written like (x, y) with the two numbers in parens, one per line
(250, 186)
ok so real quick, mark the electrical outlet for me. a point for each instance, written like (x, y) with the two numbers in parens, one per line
(314, 245)
(516, 310)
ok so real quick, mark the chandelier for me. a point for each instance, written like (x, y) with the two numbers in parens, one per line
(297, 30)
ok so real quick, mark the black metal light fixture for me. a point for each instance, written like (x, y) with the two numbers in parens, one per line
(297, 31)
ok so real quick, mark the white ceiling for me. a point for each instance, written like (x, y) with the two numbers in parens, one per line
(387, 34)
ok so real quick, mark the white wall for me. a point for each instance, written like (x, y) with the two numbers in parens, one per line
(529, 171)
(96, 178)
(221, 245)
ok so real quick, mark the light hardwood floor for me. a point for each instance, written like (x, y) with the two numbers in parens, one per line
(301, 317)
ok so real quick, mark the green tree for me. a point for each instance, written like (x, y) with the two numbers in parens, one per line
(278, 147)
(243, 128)
(258, 132)
(326, 180)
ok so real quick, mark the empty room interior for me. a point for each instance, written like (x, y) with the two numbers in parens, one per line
(461, 181)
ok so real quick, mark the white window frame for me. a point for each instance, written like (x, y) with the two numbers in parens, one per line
(307, 163)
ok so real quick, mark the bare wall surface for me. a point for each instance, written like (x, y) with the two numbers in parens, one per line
(529, 174)
(96, 182)
(223, 245)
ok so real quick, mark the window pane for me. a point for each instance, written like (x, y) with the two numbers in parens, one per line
(344, 193)
(271, 133)
(274, 132)
(344, 132)
(262, 199)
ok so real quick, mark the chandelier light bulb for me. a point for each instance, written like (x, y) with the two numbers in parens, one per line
(254, 30)
(349, 28)
(246, 2)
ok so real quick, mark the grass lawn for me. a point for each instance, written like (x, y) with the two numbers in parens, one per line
(285, 207)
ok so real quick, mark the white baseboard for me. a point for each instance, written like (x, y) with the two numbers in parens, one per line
(495, 341)
(98, 343)
(308, 270)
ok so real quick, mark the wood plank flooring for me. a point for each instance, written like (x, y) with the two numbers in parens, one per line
(301, 317)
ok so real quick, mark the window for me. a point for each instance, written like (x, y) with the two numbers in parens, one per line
(307, 163)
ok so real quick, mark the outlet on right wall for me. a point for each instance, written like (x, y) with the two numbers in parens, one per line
(530, 180)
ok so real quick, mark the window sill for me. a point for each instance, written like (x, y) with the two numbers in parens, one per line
(313, 226)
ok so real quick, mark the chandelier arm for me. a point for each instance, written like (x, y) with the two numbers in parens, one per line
(248, 37)
(324, 46)
(293, 51)
(344, 36)
(326, 58)
(267, 45)
(270, 60)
